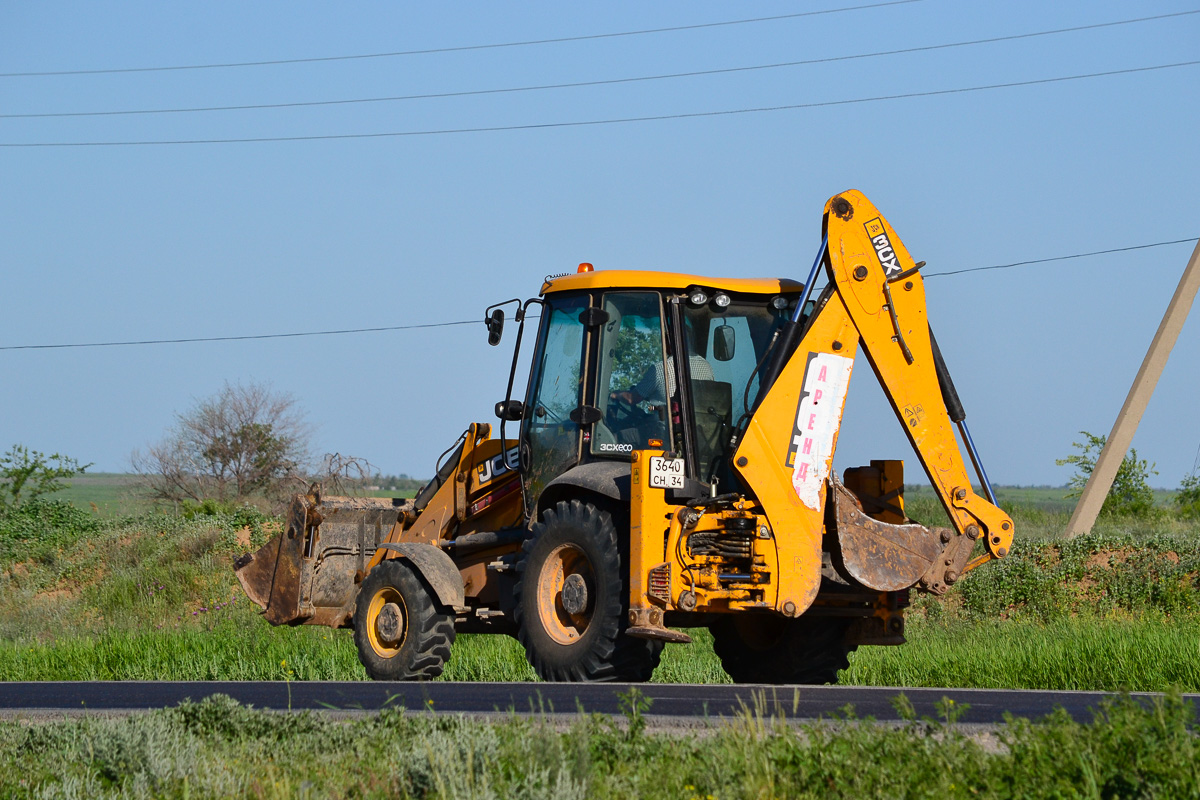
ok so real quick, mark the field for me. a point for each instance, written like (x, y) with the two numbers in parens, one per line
(119, 596)
(87, 596)
(113, 494)
(109, 494)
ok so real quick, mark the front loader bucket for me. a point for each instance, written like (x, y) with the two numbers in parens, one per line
(310, 572)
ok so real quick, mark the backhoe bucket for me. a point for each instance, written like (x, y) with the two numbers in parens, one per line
(309, 573)
(889, 557)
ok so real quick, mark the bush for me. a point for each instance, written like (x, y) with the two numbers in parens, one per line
(1130, 494)
(1097, 573)
(26, 474)
(43, 522)
(1188, 499)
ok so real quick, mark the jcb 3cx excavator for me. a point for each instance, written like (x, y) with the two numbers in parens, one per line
(673, 469)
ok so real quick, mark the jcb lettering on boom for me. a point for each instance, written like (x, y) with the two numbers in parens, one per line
(883, 246)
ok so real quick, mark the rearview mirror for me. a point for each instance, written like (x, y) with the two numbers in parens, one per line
(510, 411)
(723, 343)
(495, 326)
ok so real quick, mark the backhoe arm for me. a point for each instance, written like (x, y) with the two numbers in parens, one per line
(870, 265)
(876, 298)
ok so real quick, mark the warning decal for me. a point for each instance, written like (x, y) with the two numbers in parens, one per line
(818, 417)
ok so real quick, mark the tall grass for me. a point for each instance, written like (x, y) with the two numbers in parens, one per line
(217, 748)
(1073, 653)
(1080, 653)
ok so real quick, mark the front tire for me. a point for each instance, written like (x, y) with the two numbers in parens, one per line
(402, 632)
(764, 648)
(571, 606)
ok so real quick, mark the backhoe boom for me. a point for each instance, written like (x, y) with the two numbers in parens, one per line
(876, 299)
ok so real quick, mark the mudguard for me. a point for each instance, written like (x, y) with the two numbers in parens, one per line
(436, 568)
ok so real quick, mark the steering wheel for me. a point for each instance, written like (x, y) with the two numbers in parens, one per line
(623, 414)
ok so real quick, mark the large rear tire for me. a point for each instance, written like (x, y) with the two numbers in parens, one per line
(402, 632)
(571, 601)
(764, 648)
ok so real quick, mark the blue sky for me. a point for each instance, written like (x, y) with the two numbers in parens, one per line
(169, 241)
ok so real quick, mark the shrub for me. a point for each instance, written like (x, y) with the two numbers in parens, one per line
(1130, 494)
(1188, 498)
(43, 522)
(26, 474)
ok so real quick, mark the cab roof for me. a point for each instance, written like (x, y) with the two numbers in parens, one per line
(648, 279)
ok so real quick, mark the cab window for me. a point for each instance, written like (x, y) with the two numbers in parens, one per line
(725, 345)
(633, 382)
(552, 437)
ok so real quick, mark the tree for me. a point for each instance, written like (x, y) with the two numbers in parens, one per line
(242, 442)
(1188, 498)
(27, 474)
(1130, 494)
(636, 349)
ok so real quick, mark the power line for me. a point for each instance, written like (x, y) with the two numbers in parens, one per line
(239, 338)
(614, 121)
(603, 82)
(459, 49)
(1060, 258)
(476, 321)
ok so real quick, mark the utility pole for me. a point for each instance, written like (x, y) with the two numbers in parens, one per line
(1123, 429)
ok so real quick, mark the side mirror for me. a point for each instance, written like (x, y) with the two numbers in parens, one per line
(723, 343)
(495, 326)
(510, 410)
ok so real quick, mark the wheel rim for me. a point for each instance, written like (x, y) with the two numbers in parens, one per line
(561, 625)
(385, 645)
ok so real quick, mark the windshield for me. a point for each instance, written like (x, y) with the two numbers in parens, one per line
(725, 347)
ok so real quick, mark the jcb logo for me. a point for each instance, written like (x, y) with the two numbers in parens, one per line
(495, 467)
(883, 247)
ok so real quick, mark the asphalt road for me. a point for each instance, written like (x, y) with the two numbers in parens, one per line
(667, 700)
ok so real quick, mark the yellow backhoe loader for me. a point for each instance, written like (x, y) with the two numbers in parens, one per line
(672, 470)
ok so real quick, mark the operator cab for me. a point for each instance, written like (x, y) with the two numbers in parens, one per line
(614, 349)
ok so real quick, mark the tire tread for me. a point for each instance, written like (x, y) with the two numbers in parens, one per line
(609, 654)
(431, 623)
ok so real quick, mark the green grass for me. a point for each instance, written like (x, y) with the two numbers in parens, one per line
(1040, 514)
(1076, 653)
(1042, 498)
(154, 597)
(113, 494)
(219, 749)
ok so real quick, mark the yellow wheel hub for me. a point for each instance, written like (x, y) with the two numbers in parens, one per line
(386, 622)
(564, 589)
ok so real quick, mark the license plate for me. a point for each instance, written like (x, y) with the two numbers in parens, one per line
(666, 473)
